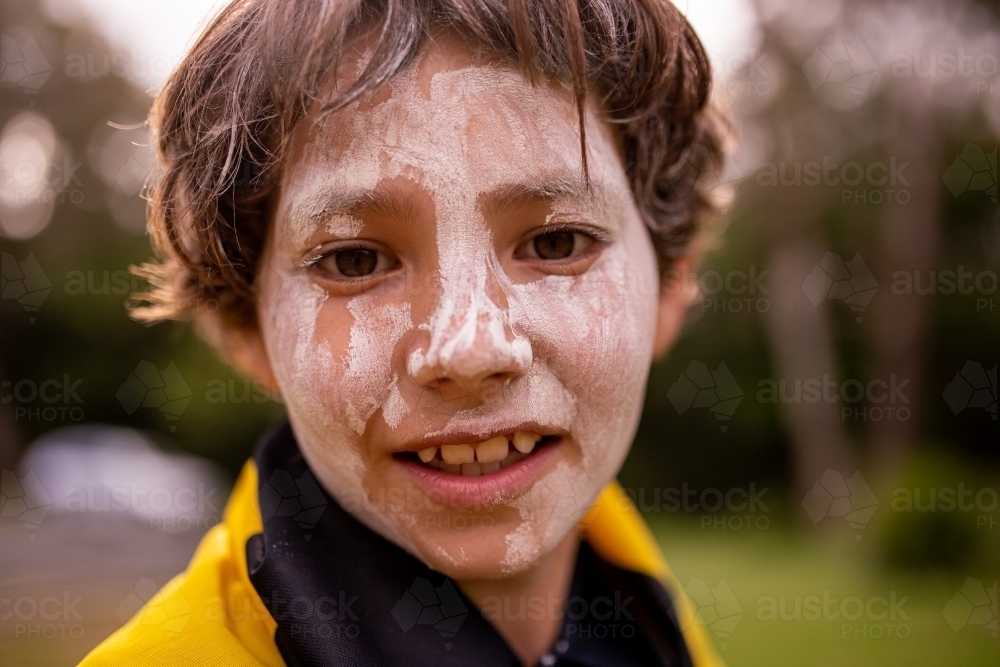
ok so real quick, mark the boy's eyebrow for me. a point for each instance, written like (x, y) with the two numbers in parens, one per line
(510, 197)
(319, 206)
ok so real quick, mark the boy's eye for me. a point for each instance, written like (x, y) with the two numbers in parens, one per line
(562, 244)
(348, 263)
(356, 262)
(554, 245)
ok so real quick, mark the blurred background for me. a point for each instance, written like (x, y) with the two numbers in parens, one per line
(823, 437)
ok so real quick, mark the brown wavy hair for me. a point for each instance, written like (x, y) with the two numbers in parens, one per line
(222, 122)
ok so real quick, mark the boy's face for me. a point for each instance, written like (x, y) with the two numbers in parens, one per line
(437, 274)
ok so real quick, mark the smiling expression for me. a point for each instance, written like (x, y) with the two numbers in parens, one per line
(441, 290)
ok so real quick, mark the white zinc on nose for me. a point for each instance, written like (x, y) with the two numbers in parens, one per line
(471, 336)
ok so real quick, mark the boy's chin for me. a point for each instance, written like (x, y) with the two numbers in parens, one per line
(498, 552)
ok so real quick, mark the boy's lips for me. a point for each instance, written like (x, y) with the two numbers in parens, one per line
(490, 484)
(475, 436)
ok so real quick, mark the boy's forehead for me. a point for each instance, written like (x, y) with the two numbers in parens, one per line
(478, 113)
(453, 123)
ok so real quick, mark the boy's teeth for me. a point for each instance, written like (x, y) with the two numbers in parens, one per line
(524, 442)
(493, 450)
(511, 459)
(481, 459)
(458, 454)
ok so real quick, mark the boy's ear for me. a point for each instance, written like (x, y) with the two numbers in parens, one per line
(678, 290)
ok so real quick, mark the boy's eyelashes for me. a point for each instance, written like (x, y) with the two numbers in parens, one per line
(562, 244)
(350, 263)
(564, 249)
(355, 262)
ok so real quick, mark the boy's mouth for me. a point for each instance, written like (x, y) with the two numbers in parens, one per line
(481, 458)
(457, 472)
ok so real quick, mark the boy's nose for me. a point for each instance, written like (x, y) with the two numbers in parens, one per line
(472, 352)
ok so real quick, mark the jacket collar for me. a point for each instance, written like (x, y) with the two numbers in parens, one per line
(339, 594)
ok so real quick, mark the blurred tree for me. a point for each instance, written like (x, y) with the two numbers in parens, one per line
(851, 115)
(72, 220)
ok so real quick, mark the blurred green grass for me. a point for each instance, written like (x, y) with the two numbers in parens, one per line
(777, 562)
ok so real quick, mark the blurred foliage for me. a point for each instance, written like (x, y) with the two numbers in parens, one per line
(81, 330)
(793, 122)
(763, 567)
(941, 514)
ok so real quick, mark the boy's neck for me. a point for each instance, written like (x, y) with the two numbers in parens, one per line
(513, 604)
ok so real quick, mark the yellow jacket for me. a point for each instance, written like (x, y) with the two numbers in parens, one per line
(211, 614)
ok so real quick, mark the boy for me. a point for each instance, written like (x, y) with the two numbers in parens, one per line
(439, 229)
